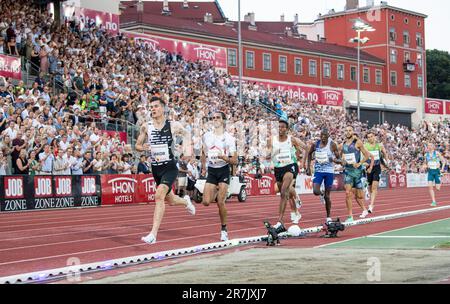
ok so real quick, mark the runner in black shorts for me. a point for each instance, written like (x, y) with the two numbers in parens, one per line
(219, 148)
(373, 174)
(158, 133)
(282, 151)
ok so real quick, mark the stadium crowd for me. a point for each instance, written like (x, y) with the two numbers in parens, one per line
(87, 78)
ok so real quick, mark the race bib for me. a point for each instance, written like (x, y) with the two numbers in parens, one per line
(322, 157)
(376, 154)
(213, 156)
(284, 158)
(160, 153)
(433, 165)
(350, 159)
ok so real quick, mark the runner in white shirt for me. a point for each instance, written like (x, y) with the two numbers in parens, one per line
(219, 147)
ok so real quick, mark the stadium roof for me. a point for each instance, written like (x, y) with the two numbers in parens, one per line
(196, 10)
(229, 32)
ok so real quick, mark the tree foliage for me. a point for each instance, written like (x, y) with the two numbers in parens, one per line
(438, 74)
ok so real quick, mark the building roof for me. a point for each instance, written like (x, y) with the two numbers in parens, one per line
(195, 11)
(367, 8)
(272, 27)
(214, 31)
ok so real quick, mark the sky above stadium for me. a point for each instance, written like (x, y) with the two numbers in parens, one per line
(437, 23)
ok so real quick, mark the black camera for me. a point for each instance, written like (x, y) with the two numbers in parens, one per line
(257, 165)
(332, 228)
(273, 233)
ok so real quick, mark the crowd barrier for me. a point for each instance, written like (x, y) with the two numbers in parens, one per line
(22, 192)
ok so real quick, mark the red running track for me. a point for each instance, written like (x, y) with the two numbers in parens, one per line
(43, 240)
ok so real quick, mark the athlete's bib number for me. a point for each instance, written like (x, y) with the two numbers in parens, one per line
(350, 158)
(284, 158)
(213, 156)
(376, 154)
(160, 153)
(322, 157)
(433, 165)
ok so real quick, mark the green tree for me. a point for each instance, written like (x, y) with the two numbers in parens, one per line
(438, 74)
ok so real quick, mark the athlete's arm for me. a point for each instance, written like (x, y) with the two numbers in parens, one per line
(299, 144)
(366, 155)
(268, 151)
(141, 146)
(335, 150)
(308, 157)
(203, 160)
(443, 161)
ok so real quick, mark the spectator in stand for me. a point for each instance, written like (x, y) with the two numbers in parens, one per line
(143, 167)
(46, 159)
(88, 163)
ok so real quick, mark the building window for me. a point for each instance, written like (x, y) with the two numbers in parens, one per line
(379, 77)
(250, 59)
(232, 58)
(267, 62)
(420, 82)
(392, 35)
(406, 39)
(392, 17)
(313, 68)
(340, 72)
(353, 73)
(393, 78)
(407, 56)
(283, 64)
(298, 66)
(419, 60)
(419, 24)
(419, 40)
(406, 20)
(393, 56)
(366, 75)
(407, 81)
(327, 70)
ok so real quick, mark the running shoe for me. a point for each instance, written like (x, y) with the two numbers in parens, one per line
(433, 204)
(322, 199)
(364, 214)
(189, 207)
(149, 239)
(349, 220)
(371, 209)
(223, 236)
(295, 217)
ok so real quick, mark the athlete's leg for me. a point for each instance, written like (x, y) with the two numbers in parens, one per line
(373, 193)
(221, 198)
(160, 196)
(348, 199)
(284, 191)
(209, 194)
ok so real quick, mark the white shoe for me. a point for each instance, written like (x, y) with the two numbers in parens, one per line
(295, 217)
(322, 199)
(149, 239)
(223, 236)
(189, 207)
(364, 214)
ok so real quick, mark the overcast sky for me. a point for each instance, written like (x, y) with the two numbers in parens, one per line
(437, 24)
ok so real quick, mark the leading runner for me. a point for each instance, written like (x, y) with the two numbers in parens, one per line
(433, 159)
(159, 134)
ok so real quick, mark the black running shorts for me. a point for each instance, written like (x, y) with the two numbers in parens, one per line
(280, 172)
(165, 175)
(218, 175)
(374, 176)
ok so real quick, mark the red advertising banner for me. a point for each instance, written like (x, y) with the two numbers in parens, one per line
(14, 187)
(447, 107)
(393, 180)
(43, 186)
(63, 186)
(401, 178)
(108, 20)
(434, 107)
(397, 180)
(118, 189)
(146, 189)
(10, 66)
(250, 181)
(264, 185)
(217, 56)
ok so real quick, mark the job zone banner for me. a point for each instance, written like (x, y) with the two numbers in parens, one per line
(24, 192)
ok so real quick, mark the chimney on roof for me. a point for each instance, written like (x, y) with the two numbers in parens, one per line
(185, 4)
(208, 18)
(351, 4)
(296, 19)
(282, 18)
(252, 19)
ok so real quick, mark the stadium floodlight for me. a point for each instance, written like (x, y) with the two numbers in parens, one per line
(360, 26)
